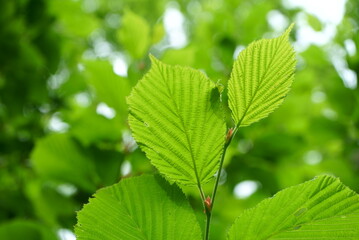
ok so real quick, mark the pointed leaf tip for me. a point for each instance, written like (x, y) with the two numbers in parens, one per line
(152, 58)
(261, 77)
(289, 30)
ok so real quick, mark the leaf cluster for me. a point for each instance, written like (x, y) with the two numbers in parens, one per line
(177, 118)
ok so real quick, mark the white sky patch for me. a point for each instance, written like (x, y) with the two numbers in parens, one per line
(126, 168)
(313, 157)
(66, 189)
(194, 7)
(44, 108)
(104, 110)
(277, 21)
(83, 99)
(90, 5)
(337, 56)
(66, 234)
(223, 177)
(350, 47)
(128, 141)
(245, 189)
(55, 81)
(56, 124)
(238, 50)
(102, 48)
(349, 77)
(120, 66)
(174, 25)
(329, 113)
(329, 11)
(244, 145)
(80, 67)
(113, 20)
(318, 97)
(307, 36)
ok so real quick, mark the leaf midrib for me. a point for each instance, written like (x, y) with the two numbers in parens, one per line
(258, 87)
(127, 211)
(182, 123)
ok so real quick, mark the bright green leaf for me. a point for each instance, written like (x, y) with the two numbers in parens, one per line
(134, 34)
(319, 209)
(145, 207)
(176, 118)
(260, 79)
(58, 157)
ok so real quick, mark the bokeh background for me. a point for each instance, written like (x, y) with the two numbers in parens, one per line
(66, 67)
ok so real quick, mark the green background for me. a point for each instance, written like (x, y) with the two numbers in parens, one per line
(66, 67)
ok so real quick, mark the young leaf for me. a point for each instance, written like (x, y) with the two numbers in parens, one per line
(176, 117)
(145, 207)
(260, 79)
(319, 209)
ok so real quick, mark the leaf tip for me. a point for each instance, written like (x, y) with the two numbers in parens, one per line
(289, 30)
(153, 59)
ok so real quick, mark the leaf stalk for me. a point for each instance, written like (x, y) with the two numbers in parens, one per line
(230, 134)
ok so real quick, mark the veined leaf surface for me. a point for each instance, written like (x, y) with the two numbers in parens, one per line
(145, 207)
(319, 209)
(176, 117)
(260, 79)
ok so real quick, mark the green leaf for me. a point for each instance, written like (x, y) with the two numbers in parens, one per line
(260, 79)
(176, 118)
(145, 207)
(59, 158)
(25, 229)
(134, 34)
(319, 209)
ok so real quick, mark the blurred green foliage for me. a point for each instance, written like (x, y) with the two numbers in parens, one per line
(66, 67)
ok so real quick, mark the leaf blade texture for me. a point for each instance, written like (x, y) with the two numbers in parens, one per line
(176, 117)
(322, 208)
(145, 207)
(260, 79)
